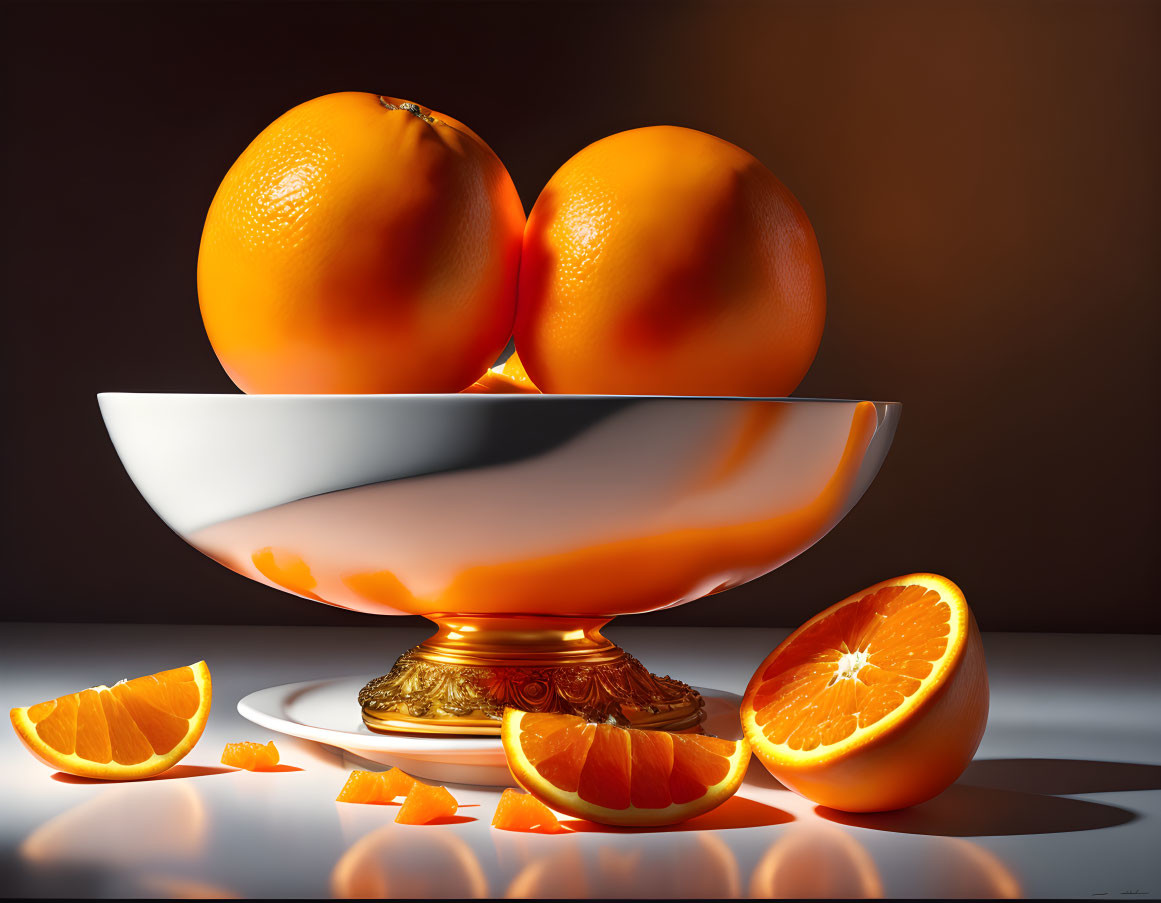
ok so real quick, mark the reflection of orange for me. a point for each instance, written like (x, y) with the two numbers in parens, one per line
(964, 869)
(653, 251)
(876, 703)
(393, 862)
(620, 776)
(287, 570)
(687, 865)
(361, 244)
(175, 887)
(634, 575)
(128, 825)
(135, 729)
(816, 862)
(382, 588)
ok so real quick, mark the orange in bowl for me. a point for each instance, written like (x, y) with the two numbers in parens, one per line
(876, 703)
(655, 250)
(361, 244)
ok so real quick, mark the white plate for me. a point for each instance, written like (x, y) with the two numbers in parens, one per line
(327, 711)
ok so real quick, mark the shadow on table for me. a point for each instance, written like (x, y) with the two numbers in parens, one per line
(1061, 777)
(966, 811)
(758, 776)
(736, 812)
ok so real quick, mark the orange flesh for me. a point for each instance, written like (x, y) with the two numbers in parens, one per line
(361, 787)
(375, 786)
(396, 782)
(518, 811)
(849, 670)
(614, 768)
(127, 723)
(425, 804)
(250, 756)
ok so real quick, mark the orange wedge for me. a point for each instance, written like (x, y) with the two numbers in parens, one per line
(250, 756)
(134, 729)
(877, 703)
(620, 776)
(507, 378)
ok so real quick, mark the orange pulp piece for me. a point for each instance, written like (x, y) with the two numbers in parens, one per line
(375, 786)
(507, 378)
(250, 756)
(134, 729)
(876, 703)
(518, 811)
(424, 804)
(620, 776)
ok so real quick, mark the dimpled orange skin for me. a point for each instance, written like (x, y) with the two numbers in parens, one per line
(655, 250)
(354, 248)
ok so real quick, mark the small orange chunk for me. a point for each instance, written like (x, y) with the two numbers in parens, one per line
(375, 786)
(424, 804)
(396, 782)
(523, 812)
(250, 756)
(361, 787)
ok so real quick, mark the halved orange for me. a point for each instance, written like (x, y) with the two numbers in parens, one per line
(620, 776)
(134, 729)
(876, 703)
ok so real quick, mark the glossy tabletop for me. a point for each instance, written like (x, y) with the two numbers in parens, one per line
(1064, 798)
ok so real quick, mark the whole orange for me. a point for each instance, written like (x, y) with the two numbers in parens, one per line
(361, 244)
(664, 260)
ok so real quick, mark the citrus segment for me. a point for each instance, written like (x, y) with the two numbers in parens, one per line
(250, 756)
(375, 787)
(134, 729)
(518, 811)
(424, 804)
(876, 703)
(620, 776)
(361, 787)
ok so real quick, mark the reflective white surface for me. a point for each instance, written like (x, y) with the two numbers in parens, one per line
(1064, 798)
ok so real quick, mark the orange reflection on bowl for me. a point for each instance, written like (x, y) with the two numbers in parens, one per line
(633, 866)
(643, 573)
(287, 570)
(409, 863)
(648, 508)
(812, 862)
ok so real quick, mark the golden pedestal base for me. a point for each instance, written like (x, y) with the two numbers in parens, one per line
(460, 680)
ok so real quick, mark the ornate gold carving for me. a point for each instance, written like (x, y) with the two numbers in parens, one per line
(426, 696)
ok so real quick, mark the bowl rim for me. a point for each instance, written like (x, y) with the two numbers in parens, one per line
(481, 397)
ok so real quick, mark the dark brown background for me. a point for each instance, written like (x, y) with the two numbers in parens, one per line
(982, 176)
